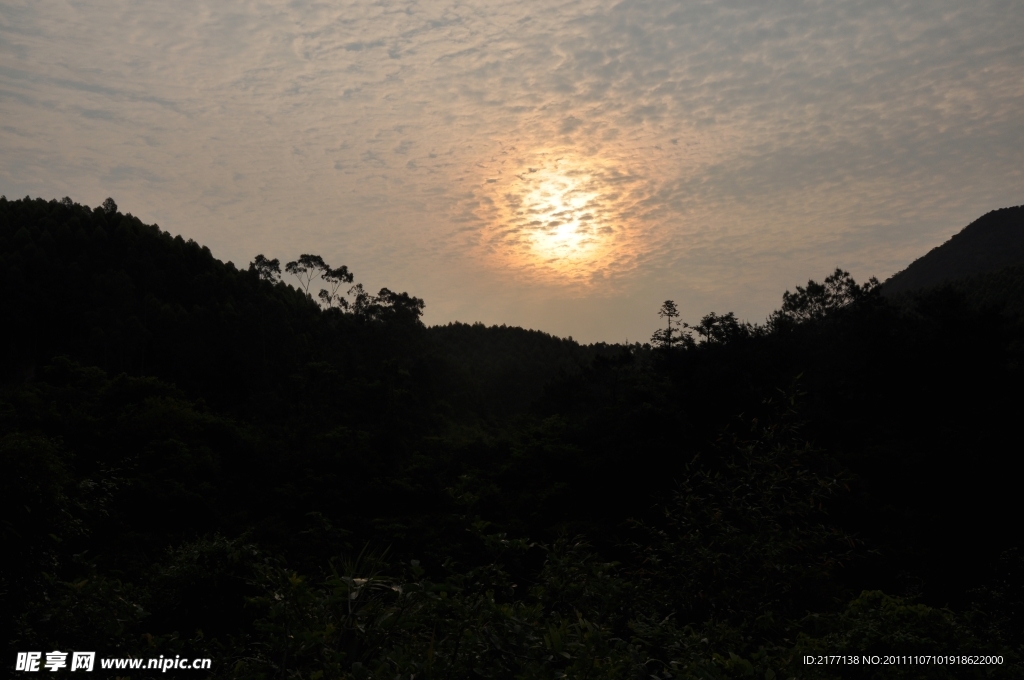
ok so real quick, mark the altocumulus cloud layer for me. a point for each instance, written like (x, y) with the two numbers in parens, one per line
(559, 165)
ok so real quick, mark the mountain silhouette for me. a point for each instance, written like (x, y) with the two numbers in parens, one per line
(992, 242)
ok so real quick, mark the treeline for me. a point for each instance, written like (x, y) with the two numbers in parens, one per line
(1000, 291)
(200, 459)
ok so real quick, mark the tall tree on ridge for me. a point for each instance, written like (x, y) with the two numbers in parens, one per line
(673, 333)
(268, 270)
(335, 277)
(307, 268)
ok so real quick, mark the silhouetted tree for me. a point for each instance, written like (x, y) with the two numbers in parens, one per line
(818, 300)
(307, 268)
(386, 305)
(721, 328)
(268, 270)
(335, 277)
(674, 331)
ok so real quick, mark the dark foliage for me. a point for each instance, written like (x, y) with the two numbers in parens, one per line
(202, 460)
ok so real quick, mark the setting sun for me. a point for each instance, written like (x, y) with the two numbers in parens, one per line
(561, 226)
(559, 220)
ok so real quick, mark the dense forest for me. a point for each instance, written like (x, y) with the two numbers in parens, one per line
(272, 467)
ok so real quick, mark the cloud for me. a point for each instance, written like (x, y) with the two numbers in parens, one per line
(718, 149)
(124, 173)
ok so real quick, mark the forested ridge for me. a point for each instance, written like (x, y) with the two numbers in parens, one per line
(201, 459)
(990, 243)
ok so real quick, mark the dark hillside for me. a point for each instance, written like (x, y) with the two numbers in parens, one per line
(105, 289)
(110, 291)
(198, 459)
(503, 369)
(1001, 290)
(992, 242)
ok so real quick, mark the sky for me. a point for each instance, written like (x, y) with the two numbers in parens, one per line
(559, 165)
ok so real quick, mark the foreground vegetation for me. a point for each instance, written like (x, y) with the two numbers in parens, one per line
(202, 460)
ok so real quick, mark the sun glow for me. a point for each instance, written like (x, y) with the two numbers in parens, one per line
(561, 213)
(557, 219)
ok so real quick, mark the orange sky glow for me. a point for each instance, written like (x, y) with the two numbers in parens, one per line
(560, 166)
